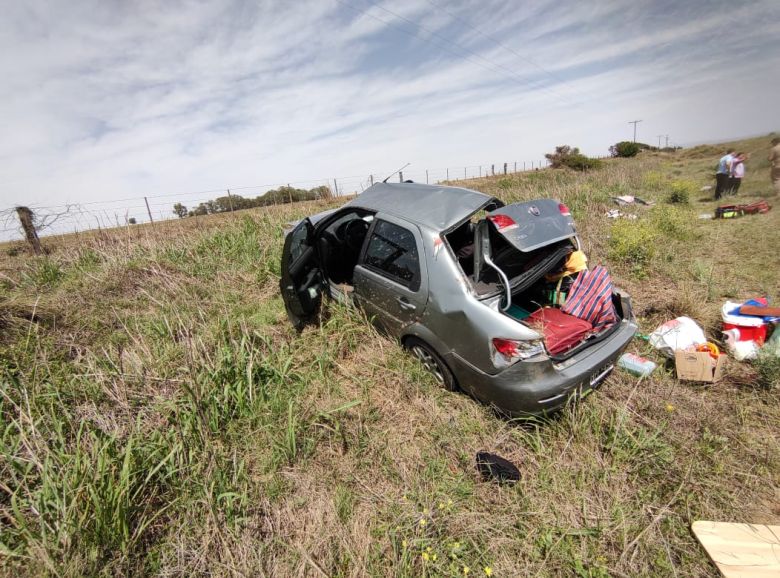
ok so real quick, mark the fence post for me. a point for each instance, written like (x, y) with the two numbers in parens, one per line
(371, 179)
(504, 168)
(493, 170)
(523, 166)
(148, 210)
(26, 219)
(480, 171)
(448, 174)
(335, 188)
(515, 166)
(230, 200)
(426, 177)
(400, 176)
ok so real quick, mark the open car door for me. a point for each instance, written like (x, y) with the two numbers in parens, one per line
(302, 281)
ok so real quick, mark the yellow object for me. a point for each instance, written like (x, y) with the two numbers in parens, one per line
(576, 262)
(710, 348)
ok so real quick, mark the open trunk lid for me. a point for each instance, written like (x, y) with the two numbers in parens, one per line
(529, 226)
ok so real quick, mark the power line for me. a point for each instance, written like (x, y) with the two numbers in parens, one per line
(500, 44)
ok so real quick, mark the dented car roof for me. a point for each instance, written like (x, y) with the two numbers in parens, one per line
(433, 206)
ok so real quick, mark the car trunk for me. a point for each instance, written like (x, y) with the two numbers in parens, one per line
(525, 247)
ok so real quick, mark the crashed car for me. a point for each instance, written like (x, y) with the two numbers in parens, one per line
(454, 274)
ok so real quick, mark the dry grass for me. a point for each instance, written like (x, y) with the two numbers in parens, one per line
(159, 415)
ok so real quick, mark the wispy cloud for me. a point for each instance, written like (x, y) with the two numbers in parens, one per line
(107, 100)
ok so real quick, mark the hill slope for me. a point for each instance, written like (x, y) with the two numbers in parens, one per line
(159, 414)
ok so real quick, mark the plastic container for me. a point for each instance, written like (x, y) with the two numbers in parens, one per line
(737, 332)
(636, 365)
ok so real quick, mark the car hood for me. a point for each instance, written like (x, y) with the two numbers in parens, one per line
(529, 226)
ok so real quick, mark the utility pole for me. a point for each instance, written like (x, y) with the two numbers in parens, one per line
(230, 200)
(667, 141)
(634, 122)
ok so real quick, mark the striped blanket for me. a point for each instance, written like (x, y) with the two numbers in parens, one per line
(590, 298)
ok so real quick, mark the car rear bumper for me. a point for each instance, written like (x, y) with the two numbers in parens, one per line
(531, 388)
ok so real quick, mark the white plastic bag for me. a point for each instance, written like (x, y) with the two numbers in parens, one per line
(680, 333)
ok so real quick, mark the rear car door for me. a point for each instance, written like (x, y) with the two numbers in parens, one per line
(301, 284)
(390, 279)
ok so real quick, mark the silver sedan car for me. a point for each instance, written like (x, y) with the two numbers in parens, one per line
(453, 274)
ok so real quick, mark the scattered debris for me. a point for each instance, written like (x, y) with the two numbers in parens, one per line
(746, 325)
(733, 211)
(636, 365)
(495, 468)
(702, 363)
(706, 188)
(616, 214)
(630, 200)
(740, 550)
(706, 216)
(677, 334)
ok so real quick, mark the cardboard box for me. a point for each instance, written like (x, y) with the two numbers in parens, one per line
(698, 366)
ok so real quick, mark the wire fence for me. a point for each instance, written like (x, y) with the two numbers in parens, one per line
(57, 219)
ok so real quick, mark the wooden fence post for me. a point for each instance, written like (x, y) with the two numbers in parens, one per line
(26, 219)
(371, 179)
(335, 188)
(426, 176)
(400, 176)
(493, 170)
(504, 168)
(148, 210)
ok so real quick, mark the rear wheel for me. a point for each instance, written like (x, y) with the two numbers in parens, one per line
(432, 362)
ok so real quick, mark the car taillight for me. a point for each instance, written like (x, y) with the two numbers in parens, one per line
(508, 351)
(564, 210)
(502, 222)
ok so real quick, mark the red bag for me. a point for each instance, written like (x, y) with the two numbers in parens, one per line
(561, 331)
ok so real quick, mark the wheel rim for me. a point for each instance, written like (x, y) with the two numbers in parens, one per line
(429, 362)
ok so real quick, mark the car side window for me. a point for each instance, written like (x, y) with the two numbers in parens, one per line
(298, 241)
(392, 251)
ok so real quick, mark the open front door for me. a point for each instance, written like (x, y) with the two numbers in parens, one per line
(302, 282)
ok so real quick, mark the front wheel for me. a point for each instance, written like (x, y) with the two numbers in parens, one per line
(432, 362)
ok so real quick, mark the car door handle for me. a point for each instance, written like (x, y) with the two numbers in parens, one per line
(405, 304)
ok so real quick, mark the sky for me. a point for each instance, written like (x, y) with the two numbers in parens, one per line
(105, 102)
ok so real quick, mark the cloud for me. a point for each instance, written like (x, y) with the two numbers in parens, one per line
(110, 100)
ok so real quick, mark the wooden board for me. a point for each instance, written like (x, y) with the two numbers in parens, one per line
(741, 550)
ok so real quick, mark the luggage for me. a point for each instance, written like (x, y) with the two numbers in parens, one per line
(561, 331)
(590, 298)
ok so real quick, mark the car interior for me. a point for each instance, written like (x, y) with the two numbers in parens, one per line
(339, 245)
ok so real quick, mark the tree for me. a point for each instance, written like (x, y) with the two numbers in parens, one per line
(131, 221)
(180, 210)
(570, 157)
(625, 149)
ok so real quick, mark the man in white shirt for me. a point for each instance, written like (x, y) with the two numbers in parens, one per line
(723, 173)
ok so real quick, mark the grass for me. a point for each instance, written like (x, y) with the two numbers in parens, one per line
(159, 415)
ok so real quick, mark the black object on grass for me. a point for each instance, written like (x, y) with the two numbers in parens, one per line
(496, 468)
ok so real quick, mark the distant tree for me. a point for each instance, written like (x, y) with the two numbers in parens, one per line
(180, 210)
(131, 221)
(625, 149)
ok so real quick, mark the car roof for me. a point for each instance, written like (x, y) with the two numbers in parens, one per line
(434, 206)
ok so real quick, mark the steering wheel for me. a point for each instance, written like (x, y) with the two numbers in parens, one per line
(354, 233)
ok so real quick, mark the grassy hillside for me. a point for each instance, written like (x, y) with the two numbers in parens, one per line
(160, 416)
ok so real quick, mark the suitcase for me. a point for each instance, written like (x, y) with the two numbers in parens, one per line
(561, 331)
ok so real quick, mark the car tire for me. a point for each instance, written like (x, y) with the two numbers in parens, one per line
(432, 362)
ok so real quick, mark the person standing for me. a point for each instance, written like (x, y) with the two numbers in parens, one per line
(774, 164)
(737, 173)
(723, 174)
